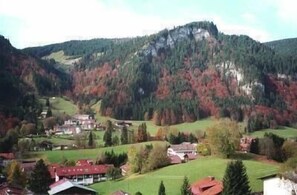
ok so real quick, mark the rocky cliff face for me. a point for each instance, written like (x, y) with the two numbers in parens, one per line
(167, 39)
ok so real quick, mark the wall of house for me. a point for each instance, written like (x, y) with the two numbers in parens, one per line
(278, 186)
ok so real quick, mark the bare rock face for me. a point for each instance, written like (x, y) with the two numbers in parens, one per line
(168, 39)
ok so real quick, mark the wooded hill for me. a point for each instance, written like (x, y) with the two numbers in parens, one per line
(22, 77)
(183, 74)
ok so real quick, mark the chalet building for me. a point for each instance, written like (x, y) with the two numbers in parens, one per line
(67, 129)
(84, 174)
(245, 143)
(122, 124)
(6, 158)
(125, 169)
(275, 185)
(207, 186)
(185, 151)
(65, 186)
(7, 189)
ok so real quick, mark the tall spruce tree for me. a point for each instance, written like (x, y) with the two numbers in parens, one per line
(161, 189)
(91, 142)
(185, 188)
(40, 178)
(108, 134)
(236, 180)
(124, 136)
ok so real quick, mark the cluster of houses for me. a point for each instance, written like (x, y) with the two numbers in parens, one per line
(76, 125)
(82, 122)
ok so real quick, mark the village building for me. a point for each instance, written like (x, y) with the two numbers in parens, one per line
(245, 143)
(7, 189)
(207, 186)
(275, 185)
(6, 158)
(67, 129)
(65, 186)
(121, 124)
(84, 174)
(184, 151)
(75, 125)
(125, 169)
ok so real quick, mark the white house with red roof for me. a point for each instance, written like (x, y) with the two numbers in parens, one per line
(84, 174)
(184, 151)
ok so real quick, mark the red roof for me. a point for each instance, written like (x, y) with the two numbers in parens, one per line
(175, 159)
(8, 156)
(207, 186)
(7, 189)
(80, 170)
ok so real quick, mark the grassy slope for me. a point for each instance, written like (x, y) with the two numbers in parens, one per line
(58, 155)
(286, 132)
(60, 57)
(60, 105)
(172, 176)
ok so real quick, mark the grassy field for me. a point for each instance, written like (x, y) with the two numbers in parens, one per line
(286, 132)
(172, 176)
(60, 105)
(60, 57)
(58, 155)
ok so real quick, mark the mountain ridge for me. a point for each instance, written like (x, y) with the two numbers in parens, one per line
(181, 75)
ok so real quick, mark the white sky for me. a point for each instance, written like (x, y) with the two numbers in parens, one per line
(38, 22)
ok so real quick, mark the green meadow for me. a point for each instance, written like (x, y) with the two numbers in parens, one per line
(60, 105)
(285, 132)
(172, 176)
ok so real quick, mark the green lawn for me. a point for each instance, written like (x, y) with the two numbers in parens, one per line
(58, 155)
(172, 176)
(286, 132)
(61, 105)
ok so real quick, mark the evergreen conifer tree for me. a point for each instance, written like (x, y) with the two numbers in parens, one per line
(161, 189)
(236, 180)
(40, 178)
(185, 188)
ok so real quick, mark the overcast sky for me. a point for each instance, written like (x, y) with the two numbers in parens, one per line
(38, 22)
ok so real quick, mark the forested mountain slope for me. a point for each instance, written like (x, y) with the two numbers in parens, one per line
(22, 77)
(184, 74)
(287, 47)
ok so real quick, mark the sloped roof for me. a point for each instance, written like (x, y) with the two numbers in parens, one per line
(183, 146)
(8, 156)
(207, 186)
(80, 170)
(175, 159)
(65, 184)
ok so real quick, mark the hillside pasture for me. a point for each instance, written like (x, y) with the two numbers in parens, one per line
(285, 132)
(58, 155)
(60, 105)
(173, 175)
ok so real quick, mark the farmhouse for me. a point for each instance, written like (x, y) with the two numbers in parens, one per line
(67, 129)
(85, 174)
(6, 158)
(207, 186)
(65, 186)
(185, 151)
(274, 185)
(245, 143)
